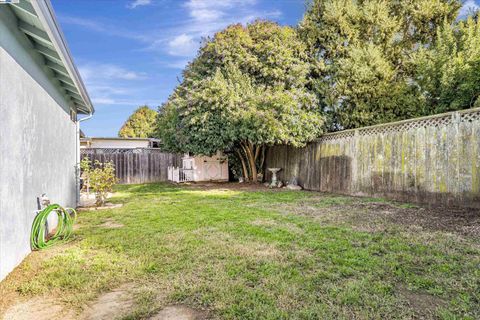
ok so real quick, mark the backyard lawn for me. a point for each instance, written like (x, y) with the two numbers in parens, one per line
(231, 252)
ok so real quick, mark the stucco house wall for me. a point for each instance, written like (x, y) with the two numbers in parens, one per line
(37, 142)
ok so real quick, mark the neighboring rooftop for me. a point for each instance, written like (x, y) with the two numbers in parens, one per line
(117, 142)
(37, 21)
(117, 138)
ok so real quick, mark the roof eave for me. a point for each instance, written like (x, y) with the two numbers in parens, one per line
(45, 13)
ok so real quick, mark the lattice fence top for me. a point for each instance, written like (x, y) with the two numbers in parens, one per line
(469, 115)
(87, 151)
(338, 135)
(405, 126)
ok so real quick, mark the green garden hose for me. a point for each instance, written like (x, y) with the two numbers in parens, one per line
(66, 218)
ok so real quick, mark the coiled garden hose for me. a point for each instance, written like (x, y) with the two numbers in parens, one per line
(66, 218)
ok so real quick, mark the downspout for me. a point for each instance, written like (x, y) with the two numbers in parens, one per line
(77, 124)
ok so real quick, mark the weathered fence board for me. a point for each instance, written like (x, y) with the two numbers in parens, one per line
(433, 160)
(135, 165)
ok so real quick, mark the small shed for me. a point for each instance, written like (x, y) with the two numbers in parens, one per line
(200, 168)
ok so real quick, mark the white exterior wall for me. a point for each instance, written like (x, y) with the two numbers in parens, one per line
(213, 168)
(37, 142)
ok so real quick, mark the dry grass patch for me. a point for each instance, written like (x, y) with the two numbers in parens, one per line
(246, 252)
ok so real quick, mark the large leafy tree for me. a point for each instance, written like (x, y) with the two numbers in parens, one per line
(246, 89)
(141, 124)
(449, 72)
(364, 52)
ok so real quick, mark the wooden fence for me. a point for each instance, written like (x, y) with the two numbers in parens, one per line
(139, 165)
(433, 160)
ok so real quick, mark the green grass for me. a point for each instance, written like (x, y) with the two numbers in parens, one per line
(245, 255)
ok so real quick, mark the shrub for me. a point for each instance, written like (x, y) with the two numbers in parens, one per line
(85, 169)
(102, 179)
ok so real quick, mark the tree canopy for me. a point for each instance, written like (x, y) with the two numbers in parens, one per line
(448, 73)
(141, 124)
(348, 64)
(364, 52)
(246, 89)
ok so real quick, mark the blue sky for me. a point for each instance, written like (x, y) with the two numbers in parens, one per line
(132, 52)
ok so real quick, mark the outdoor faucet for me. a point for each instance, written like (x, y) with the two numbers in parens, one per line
(44, 201)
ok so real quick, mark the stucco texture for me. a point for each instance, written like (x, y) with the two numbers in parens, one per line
(37, 144)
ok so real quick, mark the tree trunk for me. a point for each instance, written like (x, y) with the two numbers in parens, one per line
(249, 150)
(253, 166)
(260, 152)
(244, 166)
(249, 154)
(243, 155)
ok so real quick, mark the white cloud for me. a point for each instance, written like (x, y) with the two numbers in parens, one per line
(138, 3)
(104, 88)
(206, 11)
(110, 84)
(468, 7)
(177, 64)
(108, 29)
(95, 71)
(127, 102)
(112, 93)
(204, 4)
(182, 38)
(212, 10)
(206, 18)
(206, 14)
(86, 23)
(182, 45)
(103, 100)
(103, 92)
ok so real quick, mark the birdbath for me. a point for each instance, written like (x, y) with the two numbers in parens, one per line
(274, 176)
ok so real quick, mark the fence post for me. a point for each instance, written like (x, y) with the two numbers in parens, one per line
(354, 155)
(458, 143)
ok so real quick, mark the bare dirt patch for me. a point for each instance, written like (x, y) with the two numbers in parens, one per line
(232, 186)
(465, 222)
(461, 221)
(110, 305)
(257, 250)
(270, 223)
(180, 312)
(107, 206)
(254, 249)
(425, 305)
(265, 223)
(37, 308)
(111, 224)
(365, 215)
